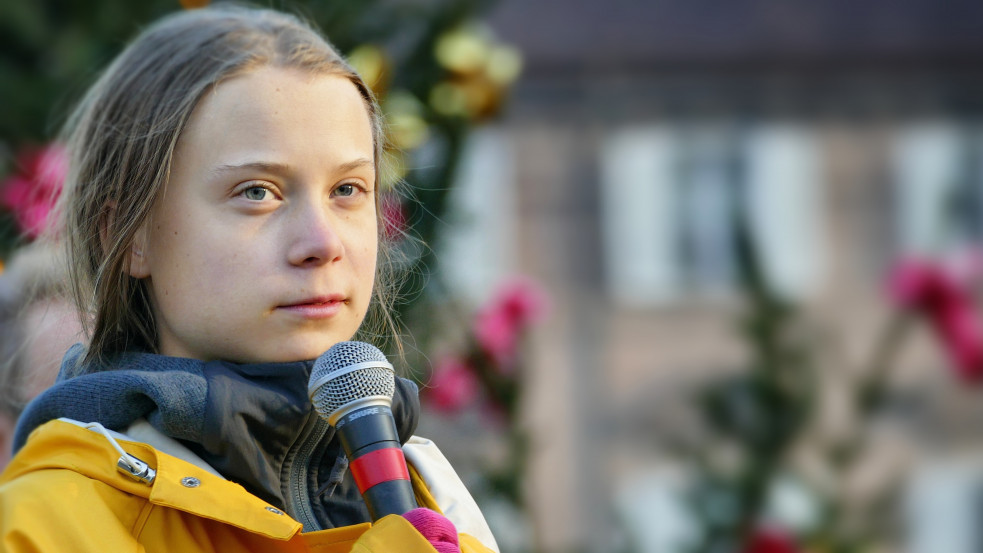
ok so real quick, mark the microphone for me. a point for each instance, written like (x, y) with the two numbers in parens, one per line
(351, 387)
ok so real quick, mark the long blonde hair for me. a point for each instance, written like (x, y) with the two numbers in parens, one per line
(121, 141)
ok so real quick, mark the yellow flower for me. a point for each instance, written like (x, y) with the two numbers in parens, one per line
(504, 65)
(392, 169)
(372, 64)
(463, 50)
(404, 117)
(449, 98)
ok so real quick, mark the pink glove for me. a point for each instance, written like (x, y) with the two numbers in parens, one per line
(439, 531)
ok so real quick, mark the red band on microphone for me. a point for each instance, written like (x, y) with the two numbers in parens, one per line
(376, 467)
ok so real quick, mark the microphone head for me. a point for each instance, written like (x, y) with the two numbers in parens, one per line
(349, 376)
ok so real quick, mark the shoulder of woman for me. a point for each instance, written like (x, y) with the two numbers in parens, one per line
(58, 509)
(447, 490)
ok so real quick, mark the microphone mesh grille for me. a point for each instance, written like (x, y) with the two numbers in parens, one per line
(345, 388)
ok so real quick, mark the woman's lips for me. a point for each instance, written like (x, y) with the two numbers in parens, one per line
(316, 308)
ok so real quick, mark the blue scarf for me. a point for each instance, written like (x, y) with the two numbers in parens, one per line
(170, 392)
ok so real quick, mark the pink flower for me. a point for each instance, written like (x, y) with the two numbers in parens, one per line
(770, 540)
(943, 297)
(393, 217)
(496, 333)
(32, 192)
(497, 326)
(453, 385)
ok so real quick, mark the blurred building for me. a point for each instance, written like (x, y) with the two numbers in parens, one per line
(851, 133)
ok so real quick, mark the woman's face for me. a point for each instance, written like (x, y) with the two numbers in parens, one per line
(263, 246)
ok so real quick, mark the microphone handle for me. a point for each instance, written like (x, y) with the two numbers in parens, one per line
(376, 460)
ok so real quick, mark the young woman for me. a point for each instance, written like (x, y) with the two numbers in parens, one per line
(223, 231)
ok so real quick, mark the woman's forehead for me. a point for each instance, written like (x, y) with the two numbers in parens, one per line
(272, 114)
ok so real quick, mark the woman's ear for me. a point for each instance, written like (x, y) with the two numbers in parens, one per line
(139, 261)
(138, 267)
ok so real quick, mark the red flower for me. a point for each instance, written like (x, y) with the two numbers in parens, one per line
(453, 385)
(32, 192)
(498, 325)
(943, 296)
(393, 217)
(770, 540)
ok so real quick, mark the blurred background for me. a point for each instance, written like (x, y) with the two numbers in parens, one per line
(683, 276)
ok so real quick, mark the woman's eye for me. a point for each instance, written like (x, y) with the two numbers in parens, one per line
(257, 193)
(346, 190)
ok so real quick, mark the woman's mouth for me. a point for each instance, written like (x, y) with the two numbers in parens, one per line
(316, 308)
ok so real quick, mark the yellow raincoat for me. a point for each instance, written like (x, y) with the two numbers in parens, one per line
(63, 492)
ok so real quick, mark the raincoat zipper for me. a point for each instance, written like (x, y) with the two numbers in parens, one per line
(298, 493)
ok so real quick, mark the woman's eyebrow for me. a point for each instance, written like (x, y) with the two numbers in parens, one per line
(268, 167)
(356, 164)
(273, 167)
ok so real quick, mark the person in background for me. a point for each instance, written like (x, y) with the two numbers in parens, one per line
(223, 231)
(38, 323)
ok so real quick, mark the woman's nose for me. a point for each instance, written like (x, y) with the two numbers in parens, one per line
(314, 238)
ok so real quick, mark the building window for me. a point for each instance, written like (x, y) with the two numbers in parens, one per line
(668, 194)
(938, 173)
(477, 249)
(709, 186)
